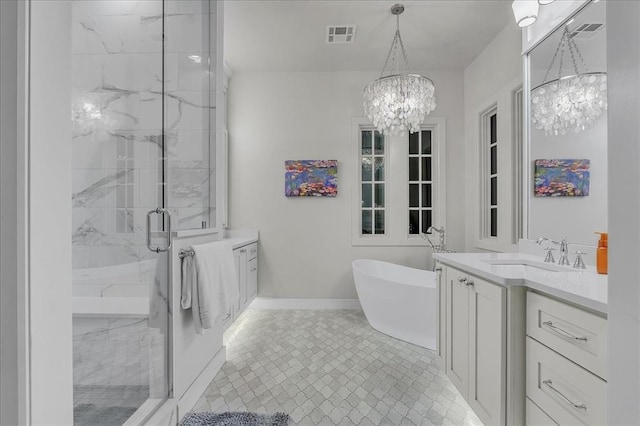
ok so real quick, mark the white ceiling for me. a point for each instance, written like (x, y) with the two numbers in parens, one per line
(288, 35)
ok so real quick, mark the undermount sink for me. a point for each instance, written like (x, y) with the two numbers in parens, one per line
(523, 265)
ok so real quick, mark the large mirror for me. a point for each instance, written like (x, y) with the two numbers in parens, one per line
(568, 198)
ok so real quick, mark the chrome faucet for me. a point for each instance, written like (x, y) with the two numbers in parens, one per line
(441, 247)
(564, 251)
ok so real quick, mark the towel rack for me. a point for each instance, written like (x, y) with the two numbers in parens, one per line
(184, 253)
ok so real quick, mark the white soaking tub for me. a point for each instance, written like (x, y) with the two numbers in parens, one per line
(397, 300)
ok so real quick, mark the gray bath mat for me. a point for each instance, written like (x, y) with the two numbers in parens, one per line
(235, 419)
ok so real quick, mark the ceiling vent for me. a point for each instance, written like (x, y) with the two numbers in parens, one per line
(587, 30)
(340, 34)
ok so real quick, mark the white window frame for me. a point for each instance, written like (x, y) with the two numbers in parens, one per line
(397, 185)
(511, 211)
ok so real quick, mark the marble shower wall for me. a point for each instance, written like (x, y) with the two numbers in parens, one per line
(124, 88)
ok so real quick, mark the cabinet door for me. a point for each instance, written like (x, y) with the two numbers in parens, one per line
(242, 278)
(487, 350)
(457, 326)
(252, 279)
(442, 315)
(240, 256)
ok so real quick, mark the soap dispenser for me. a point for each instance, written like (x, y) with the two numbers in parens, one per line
(602, 253)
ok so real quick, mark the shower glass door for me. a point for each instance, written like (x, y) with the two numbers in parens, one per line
(142, 127)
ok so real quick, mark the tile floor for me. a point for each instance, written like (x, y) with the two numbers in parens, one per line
(330, 367)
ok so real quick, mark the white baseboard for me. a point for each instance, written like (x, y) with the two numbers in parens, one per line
(277, 303)
(197, 388)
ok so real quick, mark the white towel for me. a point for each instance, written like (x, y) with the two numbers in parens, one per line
(209, 283)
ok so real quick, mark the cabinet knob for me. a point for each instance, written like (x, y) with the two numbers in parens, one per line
(462, 279)
(438, 269)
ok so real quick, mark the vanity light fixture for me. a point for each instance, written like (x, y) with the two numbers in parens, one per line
(525, 11)
(398, 102)
(543, 2)
(569, 103)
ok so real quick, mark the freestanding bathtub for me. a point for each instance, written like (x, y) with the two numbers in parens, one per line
(397, 300)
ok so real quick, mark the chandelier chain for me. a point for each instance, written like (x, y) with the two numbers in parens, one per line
(553, 60)
(397, 40)
(566, 41)
(575, 47)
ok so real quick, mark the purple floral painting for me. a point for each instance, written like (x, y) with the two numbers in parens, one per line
(561, 178)
(311, 178)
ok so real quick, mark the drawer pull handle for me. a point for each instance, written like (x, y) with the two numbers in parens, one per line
(549, 383)
(227, 317)
(563, 332)
(254, 269)
(469, 283)
(462, 280)
(438, 269)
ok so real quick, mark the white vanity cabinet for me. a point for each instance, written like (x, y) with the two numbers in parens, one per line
(476, 343)
(566, 362)
(246, 258)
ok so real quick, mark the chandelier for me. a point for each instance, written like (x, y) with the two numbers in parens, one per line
(398, 102)
(571, 103)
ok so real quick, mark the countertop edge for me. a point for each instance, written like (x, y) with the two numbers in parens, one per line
(569, 297)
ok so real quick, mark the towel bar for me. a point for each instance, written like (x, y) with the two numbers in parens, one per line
(184, 253)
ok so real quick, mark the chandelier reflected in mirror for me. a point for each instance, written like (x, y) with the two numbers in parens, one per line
(398, 102)
(569, 103)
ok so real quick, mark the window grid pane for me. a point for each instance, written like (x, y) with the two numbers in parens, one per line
(420, 182)
(492, 168)
(372, 179)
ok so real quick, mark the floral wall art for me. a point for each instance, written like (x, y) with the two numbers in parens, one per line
(561, 178)
(311, 178)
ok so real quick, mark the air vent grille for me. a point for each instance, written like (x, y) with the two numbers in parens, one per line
(340, 34)
(587, 30)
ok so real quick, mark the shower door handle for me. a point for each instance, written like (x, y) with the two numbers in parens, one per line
(161, 212)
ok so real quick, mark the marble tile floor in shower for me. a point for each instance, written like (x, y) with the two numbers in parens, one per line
(113, 361)
(329, 367)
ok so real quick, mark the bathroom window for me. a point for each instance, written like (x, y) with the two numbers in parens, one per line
(420, 182)
(372, 182)
(489, 173)
(399, 184)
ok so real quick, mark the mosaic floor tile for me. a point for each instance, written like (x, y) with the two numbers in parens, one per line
(329, 367)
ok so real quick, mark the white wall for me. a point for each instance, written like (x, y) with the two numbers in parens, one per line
(305, 243)
(490, 80)
(623, 64)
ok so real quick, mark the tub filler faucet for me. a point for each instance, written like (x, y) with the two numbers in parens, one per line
(441, 247)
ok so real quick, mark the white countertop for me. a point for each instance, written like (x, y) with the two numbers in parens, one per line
(583, 287)
(238, 242)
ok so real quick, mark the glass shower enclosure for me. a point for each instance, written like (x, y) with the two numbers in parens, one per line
(143, 114)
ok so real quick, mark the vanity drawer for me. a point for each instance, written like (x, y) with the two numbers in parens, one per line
(537, 417)
(252, 251)
(568, 393)
(577, 334)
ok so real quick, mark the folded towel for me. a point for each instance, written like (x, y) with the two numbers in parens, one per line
(209, 283)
